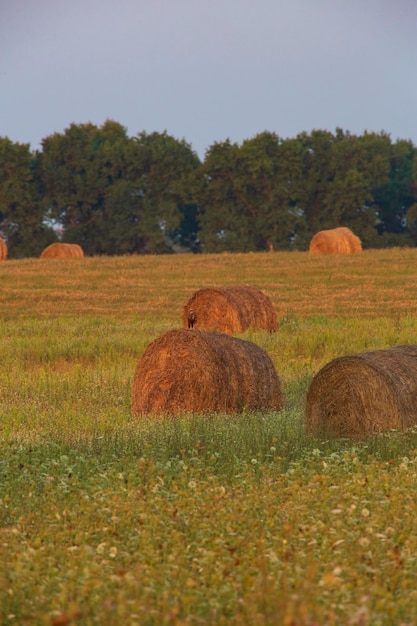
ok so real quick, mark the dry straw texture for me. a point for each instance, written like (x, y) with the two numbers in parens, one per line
(62, 250)
(335, 241)
(231, 310)
(369, 392)
(196, 371)
(3, 250)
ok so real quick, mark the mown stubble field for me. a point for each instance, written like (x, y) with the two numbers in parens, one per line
(246, 520)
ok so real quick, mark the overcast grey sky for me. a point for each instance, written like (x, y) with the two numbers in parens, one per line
(208, 70)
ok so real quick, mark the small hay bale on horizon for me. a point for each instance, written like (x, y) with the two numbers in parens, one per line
(231, 309)
(339, 240)
(360, 394)
(3, 250)
(62, 250)
(192, 371)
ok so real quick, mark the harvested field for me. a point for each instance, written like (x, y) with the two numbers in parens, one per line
(62, 250)
(202, 518)
(231, 310)
(335, 241)
(202, 371)
(369, 392)
(377, 283)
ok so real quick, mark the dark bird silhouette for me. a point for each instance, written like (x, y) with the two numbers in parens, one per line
(192, 318)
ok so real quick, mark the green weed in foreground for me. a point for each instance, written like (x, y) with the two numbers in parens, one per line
(208, 521)
(111, 537)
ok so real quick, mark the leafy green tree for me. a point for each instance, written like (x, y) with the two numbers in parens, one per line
(340, 173)
(77, 168)
(162, 173)
(185, 238)
(360, 164)
(271, 168)
(397, 194)
(113, 194)
(21, 213)
(317, 174)
(412, 222)
(249, 201)
(225, 221)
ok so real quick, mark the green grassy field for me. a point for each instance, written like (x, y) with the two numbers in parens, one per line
(246, 520)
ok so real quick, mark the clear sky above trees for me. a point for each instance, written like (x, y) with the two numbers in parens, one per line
(208, 71)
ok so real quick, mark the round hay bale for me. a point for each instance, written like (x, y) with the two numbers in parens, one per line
(231, 310)
(355, 242)
(62, 250)
(335, 241)
(186, 371)
(3, 250)
(364, 393)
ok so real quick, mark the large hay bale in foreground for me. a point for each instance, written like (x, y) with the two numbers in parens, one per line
(201, 371)
(368, 392)
(335, 241)
(62, 250)
(231, 309)
(3, 249)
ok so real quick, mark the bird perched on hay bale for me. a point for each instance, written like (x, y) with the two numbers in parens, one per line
(368, 392)
(62, 250)
(335, 241)
(204, 371)
(3, 249)
(231, 309)
(192, 318)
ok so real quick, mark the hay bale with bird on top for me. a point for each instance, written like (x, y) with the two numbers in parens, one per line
(364, 393)
(335, 241)
(230, 310)
(3, 250)
(62, 250)
(185, 371)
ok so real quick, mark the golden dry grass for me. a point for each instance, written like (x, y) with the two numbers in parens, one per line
(105, 519)
(377, 283)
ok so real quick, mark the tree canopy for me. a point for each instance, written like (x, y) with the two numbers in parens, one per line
(150, 193)
(21, 213)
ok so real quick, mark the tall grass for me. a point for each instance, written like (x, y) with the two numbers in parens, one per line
(203, 519)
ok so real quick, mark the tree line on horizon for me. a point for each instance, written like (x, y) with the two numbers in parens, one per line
(150, 194)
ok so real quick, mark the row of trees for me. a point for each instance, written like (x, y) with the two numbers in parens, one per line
(115, 194)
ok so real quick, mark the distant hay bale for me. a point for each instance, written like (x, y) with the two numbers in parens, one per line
(196, 371)
(3, 250)
(62, 250)
(368, 392)
(335, 241)
(231, 309)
